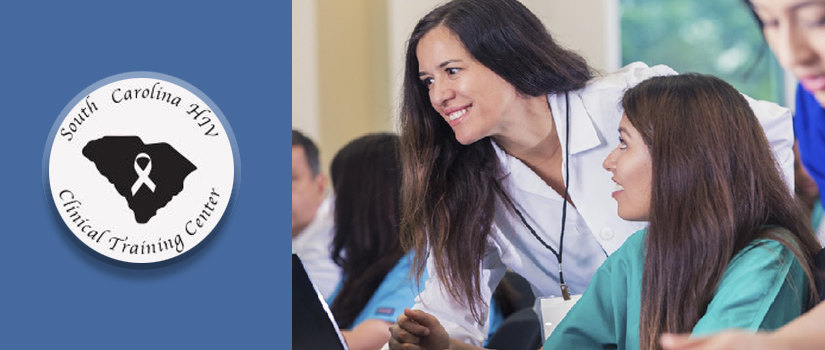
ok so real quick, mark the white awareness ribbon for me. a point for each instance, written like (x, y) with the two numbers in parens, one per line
(143, 174)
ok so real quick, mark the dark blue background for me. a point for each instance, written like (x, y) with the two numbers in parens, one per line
(232, 293)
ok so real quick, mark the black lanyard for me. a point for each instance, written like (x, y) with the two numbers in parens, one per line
(565, 292)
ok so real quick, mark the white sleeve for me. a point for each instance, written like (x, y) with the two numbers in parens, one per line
(457, 319)
(777, 123)
(630, 75)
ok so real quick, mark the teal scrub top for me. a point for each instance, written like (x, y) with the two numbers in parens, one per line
(495, 319)
(764, 287)
(396, 292)
(816, 215)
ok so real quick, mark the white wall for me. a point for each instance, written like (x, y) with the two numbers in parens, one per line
(589, 27)
(304, 69)
(402, 15)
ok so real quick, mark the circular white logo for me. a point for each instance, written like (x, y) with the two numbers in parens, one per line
(141, 167)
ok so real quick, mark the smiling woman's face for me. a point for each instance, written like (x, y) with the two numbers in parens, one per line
(795, 31)
(632, 169)
(470, 97)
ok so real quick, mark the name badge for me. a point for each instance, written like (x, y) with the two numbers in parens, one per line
(552, 310)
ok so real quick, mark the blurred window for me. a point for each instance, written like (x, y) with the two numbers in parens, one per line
(718, 37)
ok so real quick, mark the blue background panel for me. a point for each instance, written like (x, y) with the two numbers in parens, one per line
(231, 292)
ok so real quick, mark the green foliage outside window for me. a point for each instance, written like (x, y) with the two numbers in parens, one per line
(718, 37)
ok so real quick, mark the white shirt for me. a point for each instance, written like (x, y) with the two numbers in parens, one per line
(593, 228)
(313, 245)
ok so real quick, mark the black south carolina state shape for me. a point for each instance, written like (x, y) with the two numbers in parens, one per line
(130, 165)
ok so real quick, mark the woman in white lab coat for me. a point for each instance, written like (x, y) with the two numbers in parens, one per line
(499, 124)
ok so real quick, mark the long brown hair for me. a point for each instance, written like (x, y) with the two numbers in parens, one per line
(716, 186)
(449, 190)
(366, 176)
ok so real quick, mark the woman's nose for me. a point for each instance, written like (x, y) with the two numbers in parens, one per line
(441, 92)
(610, 161)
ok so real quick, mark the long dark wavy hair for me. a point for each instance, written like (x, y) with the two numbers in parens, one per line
(716, 187)
(449, 190)
(366, 177)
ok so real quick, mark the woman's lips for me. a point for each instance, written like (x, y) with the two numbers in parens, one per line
(813, 82)
(455, 116)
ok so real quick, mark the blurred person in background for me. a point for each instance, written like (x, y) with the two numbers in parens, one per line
(312, 215)
(375, 286)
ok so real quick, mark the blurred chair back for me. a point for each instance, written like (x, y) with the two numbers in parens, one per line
(521, 329)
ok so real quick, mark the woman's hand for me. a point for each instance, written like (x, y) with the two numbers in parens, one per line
(418, 330)
(368, 335)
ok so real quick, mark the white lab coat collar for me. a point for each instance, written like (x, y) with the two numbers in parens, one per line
(589, 182)
(523, 177)
(583, 137)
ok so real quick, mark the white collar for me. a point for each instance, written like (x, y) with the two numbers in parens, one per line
(583, 134)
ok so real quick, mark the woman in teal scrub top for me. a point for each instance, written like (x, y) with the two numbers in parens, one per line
(726, 245)
(795, 32)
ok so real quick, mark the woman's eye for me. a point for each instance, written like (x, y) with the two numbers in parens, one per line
(427, 82)
(622, 144)
(452, 71)
(770, 24)
(812, 16)
(767, 21)
(816, 23)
